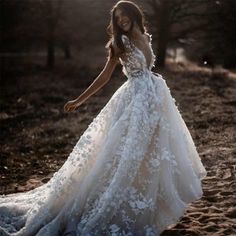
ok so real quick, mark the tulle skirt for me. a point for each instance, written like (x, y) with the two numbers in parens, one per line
(132, 172)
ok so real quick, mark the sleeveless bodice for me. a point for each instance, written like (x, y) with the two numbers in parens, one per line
(134, 62)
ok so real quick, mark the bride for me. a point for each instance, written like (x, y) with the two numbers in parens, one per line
(135, 168)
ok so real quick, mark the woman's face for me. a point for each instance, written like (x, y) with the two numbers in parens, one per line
(122, 20)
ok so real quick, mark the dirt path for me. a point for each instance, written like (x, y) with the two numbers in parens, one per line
(36, 138)
(208, 104)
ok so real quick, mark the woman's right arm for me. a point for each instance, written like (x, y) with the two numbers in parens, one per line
(97, 84)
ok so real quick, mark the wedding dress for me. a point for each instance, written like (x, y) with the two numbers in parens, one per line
(132, 172)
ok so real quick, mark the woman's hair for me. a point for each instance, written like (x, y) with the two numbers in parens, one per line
(134, 13)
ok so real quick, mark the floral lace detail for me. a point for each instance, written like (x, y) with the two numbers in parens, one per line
(134, 63)
(132, 172)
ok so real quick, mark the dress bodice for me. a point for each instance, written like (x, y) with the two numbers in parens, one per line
(134, 62)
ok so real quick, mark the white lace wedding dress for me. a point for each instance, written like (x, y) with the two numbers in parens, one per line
(132, 172)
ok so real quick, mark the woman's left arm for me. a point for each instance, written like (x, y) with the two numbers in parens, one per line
(97, 84)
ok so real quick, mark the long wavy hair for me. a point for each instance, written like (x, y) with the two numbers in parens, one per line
(134, 13)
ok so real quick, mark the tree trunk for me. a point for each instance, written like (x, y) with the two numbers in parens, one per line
(163, 32)
(51, 53)
(67, 51)
(161, 48)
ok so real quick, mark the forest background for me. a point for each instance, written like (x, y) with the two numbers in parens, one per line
(51, 50)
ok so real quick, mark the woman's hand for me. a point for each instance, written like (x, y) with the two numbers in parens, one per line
(97, 84)
(71, 106)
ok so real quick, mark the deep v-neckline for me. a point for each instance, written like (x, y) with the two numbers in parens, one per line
(145, 58)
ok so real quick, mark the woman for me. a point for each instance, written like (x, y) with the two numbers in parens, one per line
(135, 168)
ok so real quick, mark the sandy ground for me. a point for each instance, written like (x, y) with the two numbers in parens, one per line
(37, 136)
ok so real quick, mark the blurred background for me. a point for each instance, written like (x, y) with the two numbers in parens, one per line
(51, 50)
(42, 33)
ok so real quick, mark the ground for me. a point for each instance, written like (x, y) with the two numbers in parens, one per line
(37, 136)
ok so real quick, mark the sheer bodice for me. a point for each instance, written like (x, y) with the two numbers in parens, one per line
(134, 62)
(132, 172)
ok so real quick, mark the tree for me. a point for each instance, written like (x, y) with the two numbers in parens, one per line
(211, 23)
(174, 20)
(220, 36)
(51, 12)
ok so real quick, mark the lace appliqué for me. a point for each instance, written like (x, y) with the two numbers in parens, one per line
(134, 63)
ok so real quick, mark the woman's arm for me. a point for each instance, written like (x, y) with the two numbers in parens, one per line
(97, 84)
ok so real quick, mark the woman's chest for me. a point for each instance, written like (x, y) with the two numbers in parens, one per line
(143, 48)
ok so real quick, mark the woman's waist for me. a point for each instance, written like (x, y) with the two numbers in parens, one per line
(141, 73)
(137, 73)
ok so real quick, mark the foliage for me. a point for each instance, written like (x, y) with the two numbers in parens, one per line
(208, 26)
